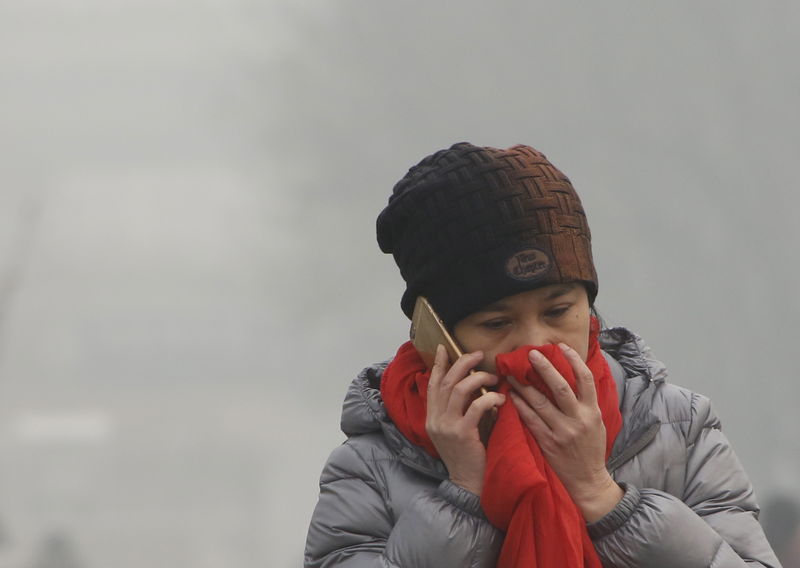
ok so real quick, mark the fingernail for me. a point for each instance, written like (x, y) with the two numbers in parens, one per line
(536, 356)
(564, 346)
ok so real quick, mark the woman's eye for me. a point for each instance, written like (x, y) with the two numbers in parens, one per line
(556, 312)
(495, 324)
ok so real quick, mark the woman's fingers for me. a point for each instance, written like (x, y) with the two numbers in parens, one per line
(452, 389)
(481, 406)
(458, 370)
(439, 367)
(587, 391)
(453, 416)
(466, 389)
(571, 433)
(562, 393)
(438, 371)
(538, 427)
(567, 404)
(537, 402)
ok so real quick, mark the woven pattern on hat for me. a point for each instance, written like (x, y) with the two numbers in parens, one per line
(457, 212)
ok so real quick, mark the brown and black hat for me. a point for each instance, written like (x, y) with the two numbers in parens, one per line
(470, 225)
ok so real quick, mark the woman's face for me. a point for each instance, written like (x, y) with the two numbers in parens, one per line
(558, 313)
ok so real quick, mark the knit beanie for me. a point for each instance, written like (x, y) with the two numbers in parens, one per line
(470, 225)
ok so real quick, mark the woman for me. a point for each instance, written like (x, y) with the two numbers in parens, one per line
(594, 458)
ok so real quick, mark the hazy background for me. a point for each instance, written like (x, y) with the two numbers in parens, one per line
(188, 271)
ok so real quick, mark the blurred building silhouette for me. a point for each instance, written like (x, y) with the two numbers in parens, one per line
(57, 550)
(781, 520)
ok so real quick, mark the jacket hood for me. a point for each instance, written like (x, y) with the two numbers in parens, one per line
(363, 409)
(632, 354)
(363, 412)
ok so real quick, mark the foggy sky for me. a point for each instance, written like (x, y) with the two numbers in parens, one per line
(189, 277)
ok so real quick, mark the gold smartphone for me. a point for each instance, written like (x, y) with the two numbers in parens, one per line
(427, 332)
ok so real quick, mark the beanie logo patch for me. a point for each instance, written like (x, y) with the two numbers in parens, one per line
(528, 264)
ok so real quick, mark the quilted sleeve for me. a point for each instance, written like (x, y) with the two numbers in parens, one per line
(354, 525)
(714, 523)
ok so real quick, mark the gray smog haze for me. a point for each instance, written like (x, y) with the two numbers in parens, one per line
(189, 277)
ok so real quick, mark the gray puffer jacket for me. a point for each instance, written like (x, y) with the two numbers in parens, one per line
(385, 503)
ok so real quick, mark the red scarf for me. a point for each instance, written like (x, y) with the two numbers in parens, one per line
(521, 493)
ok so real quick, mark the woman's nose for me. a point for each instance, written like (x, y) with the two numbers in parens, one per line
(532, 334)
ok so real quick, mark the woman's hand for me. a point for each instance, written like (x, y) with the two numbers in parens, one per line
(570, 433)
(454, 414)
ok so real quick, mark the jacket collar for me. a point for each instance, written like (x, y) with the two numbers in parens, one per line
(619, 375)
(641, 375)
